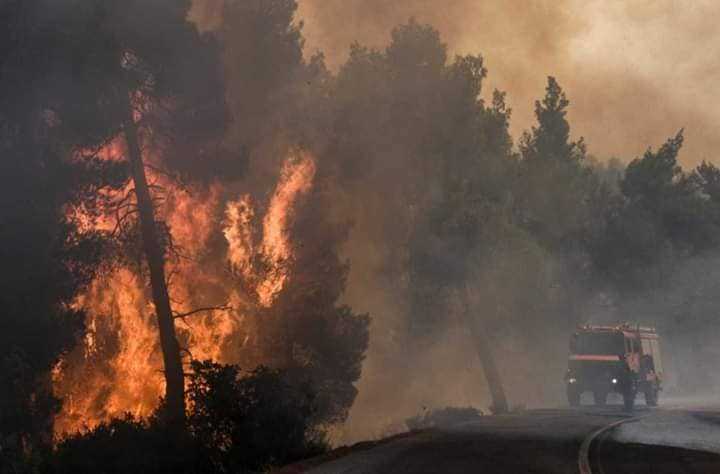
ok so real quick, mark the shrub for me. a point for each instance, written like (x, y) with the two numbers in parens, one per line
(236, 423)
(252, 422)
(128, 445)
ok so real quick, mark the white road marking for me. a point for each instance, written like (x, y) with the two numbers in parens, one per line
(584, 454)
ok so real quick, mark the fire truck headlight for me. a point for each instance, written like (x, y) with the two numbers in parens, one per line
(572, 380)
(614, 381)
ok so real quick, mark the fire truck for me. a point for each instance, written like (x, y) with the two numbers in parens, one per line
(623, 359)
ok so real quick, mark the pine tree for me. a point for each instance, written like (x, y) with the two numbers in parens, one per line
(142, 74)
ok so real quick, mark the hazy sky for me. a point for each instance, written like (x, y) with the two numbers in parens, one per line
(635, 71)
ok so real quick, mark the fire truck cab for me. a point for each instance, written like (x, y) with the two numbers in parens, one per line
(624, 359)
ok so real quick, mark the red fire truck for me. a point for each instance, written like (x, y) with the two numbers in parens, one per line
(624, 359)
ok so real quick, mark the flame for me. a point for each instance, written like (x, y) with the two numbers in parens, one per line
(296, 178)
(118, 366)
(239, 216)
(103, 218)
(95, 385)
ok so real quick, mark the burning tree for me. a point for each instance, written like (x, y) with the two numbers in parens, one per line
(253, 282)
(252, 266)
(141, 74)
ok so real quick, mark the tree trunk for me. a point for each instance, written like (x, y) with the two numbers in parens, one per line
(487, 360)
(155, 255)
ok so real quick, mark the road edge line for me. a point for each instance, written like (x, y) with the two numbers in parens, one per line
(584, 454)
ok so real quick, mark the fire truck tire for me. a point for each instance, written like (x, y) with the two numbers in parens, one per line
(600, 398)
(629, 398)
(573, 396)
(651, 396)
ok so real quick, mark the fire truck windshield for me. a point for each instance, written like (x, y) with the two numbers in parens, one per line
(593, 343)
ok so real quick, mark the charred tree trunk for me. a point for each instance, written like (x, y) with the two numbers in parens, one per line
(155, 255)
(487, 360)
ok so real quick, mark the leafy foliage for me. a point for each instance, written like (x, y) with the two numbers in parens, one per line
(238, 422)
(663, 214)
(253, 421)
(46, 260)
(555, 190)
(127, 445)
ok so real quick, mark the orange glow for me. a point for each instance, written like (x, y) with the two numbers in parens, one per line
(238, 232)
(296, 178)
(118, 366)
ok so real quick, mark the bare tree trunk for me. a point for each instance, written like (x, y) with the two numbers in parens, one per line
(154, 253)
(487, 360)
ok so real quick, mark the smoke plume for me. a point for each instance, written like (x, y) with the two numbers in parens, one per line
(633, 77)
(616, 60)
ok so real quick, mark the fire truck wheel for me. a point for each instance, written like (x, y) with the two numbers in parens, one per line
(629, 398)
(651, 396)
(600, 398)
(573, 396)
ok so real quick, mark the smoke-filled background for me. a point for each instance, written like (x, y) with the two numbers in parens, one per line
(617, 60)
(398, 206)
(635, 74)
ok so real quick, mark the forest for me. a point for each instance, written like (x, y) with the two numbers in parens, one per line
(190, 214)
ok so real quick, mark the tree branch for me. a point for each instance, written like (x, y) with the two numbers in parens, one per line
(200, 310)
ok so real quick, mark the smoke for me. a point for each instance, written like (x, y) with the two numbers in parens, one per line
(633, 79)
(684, 309)
(634, 72)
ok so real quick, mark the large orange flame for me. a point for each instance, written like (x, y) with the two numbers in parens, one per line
(118, 366)
(296, 177)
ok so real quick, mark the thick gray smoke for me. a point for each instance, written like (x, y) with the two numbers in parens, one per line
(618, 60)
(684, 308)
(528, 298)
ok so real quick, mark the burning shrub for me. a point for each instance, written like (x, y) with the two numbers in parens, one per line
(236, 423)
(129, 445)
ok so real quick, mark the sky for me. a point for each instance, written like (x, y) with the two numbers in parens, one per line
(635, 71)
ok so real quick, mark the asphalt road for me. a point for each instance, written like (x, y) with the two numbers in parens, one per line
(585, 440)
